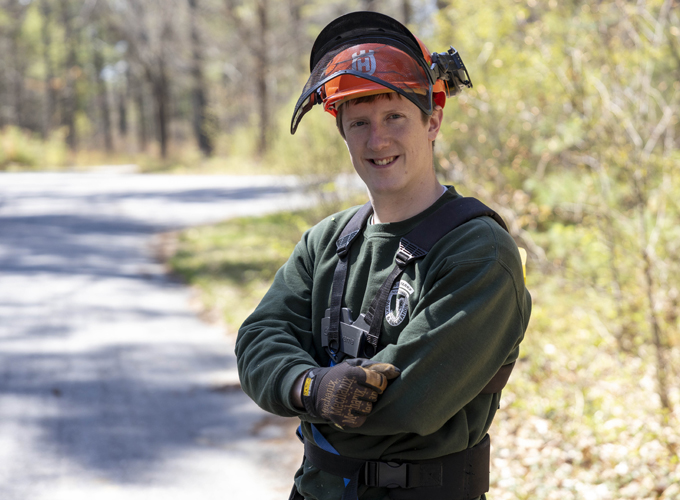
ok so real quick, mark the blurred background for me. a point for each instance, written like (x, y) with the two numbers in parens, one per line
(571, 132)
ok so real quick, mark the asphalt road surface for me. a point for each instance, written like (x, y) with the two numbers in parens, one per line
(110, 387)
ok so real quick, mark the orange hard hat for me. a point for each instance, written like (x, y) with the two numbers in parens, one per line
(390, 64)
(365, 53)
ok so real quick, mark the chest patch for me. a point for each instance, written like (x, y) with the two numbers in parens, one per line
(396, 308)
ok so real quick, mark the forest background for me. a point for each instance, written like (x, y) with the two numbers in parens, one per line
(571, 133)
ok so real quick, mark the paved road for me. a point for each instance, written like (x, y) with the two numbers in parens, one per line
(110, 387)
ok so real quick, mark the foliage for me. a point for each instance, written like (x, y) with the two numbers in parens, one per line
(589, 138)
(579, 418)
(315, 150)
(19, 149)
(138, 75)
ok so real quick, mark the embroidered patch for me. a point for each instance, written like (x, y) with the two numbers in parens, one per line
(397, 303)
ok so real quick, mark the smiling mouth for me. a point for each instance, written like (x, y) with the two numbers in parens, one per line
(383, 161)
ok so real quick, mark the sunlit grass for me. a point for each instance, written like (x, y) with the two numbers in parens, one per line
(25, 151)
(233, 263)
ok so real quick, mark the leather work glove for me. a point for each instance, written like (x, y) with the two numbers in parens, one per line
(345, 393)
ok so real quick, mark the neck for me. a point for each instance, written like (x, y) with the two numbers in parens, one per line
(397, 207)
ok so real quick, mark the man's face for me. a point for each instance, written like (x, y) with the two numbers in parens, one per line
(390, 146)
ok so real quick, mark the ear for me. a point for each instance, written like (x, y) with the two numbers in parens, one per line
(435, 123)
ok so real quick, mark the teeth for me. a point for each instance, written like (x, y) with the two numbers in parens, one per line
(384, 161)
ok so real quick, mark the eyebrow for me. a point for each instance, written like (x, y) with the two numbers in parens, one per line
(361, 115)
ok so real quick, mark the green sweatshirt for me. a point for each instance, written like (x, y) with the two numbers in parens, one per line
(467, 311)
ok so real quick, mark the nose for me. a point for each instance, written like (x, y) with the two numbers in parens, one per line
(378, 137)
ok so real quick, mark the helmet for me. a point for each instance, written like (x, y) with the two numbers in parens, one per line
(365, 53)
(391, 64)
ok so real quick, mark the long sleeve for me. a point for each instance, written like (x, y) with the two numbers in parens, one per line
(275, 345)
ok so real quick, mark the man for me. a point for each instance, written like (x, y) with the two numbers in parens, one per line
(395, 370)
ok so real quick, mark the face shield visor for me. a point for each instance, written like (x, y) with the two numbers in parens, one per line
(352, 71)
(366, 53)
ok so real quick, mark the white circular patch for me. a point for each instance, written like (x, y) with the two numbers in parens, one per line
(397, 303)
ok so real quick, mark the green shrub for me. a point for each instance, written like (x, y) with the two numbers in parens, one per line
(20, 149)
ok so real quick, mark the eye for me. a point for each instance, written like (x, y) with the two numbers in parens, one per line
(357, 123)
(394, 116)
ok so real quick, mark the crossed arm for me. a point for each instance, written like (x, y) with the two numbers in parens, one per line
(466, 325)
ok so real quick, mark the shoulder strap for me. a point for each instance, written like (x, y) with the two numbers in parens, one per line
(418, 243)
(353, 228)
(347, 237)
(447, 218)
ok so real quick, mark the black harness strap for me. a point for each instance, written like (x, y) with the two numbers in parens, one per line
(418, 243)
(458, 476)
(337, 465)
(347, 237)
(374, 316)
(449, 217)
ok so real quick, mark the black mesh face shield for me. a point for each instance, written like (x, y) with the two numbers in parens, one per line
(366, 53)
(368, 68)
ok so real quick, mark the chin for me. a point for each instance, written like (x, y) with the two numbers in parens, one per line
(385, 188)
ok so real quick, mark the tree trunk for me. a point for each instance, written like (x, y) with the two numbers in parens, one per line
(14, 65)
(142, 129)
(122, 104)
(17, 78)
(161, 93)
(122, 115)
(3, 94)
(103, 97)
(407, 11)
(50, 95)
(297, 30)
(262, 75)
(650, 285)
(199, 92)
(70, 72)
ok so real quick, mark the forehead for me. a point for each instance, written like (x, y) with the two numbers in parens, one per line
(377, 104)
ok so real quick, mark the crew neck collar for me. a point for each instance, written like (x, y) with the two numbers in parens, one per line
(402, 227)
(444, 189)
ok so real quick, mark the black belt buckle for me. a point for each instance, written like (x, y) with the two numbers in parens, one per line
(386, 474)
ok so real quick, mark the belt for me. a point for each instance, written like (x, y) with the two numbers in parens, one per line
(459, 476)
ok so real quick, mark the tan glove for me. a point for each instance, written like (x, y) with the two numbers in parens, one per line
(345, 393)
